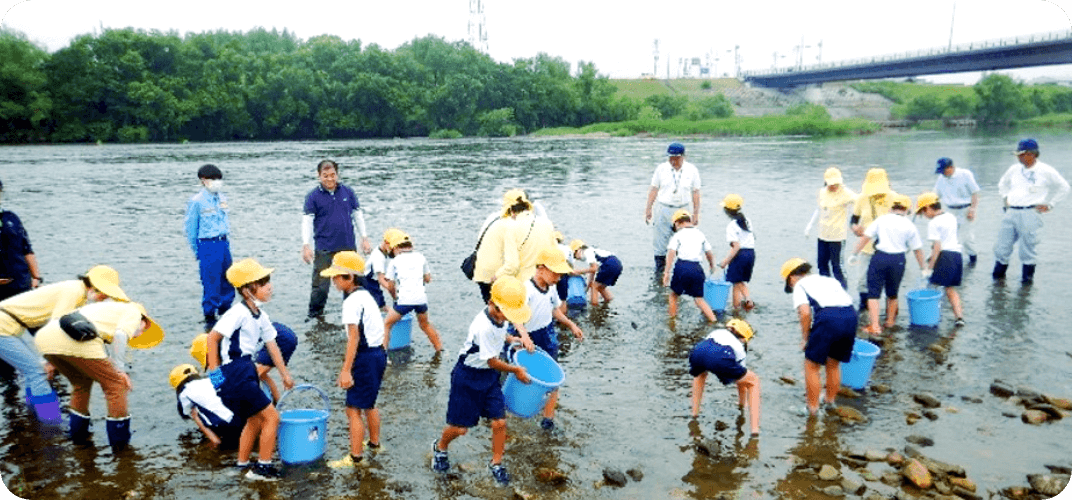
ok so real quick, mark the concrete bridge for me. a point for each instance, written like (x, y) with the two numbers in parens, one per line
(1030, 50)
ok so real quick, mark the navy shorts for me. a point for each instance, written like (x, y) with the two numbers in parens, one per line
(885, 272)
(367, 371)
(241, 390)
(474, 393)
(609, 270)
(547, 339)
(833, 332)
(562, 287)
(710, 356)
(948, 269)
(285, 339)
(687, 278)
(740, 268)
(373, 287)
(403, 309)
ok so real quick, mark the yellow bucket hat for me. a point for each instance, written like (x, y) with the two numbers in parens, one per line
(876, 182)
(926, 200)
(575, 245)
(151, 336)
(246, 271)
(106, 280)
(553, 259)
(732, 201)
(508, 294)
(741, 327)
(199, 349)
(347, 262)
(832, 176)
(681, 214)
(180, 373)
(513, 197)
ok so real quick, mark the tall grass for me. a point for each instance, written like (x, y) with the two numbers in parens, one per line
(772, 125)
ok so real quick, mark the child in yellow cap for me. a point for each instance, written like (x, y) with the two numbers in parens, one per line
(407, 273)
(683, 272)
(723, 353)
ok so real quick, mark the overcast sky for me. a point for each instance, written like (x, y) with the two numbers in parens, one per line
(617, 36)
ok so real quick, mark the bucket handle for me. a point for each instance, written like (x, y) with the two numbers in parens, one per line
(323, 396)
(517, 346)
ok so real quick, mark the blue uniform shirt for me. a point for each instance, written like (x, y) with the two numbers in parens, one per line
(333, 223)
(14, 246)
(206, 217)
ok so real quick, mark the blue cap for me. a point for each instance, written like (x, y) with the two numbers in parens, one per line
(942, 163)
(675, 149)
(1027, 145)
(285, 339)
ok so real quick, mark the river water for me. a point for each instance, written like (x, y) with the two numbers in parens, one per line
(625, 403)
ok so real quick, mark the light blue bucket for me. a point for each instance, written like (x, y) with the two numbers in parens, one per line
(925, 307)
(401, 333)
(526, 400)
(302, 432)
(857, 372)
(716, 291)
(575, 292)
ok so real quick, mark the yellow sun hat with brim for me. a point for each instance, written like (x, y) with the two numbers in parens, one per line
(681, 214)
(553, 259)
(902, 200)
(246, 271)
(390, 234)
(575, 245)
(106, 280)
(508, 294)
(788, 268)
(926, 200)
(347, 262)
(199, 349)
(398, 239)
(876, 182)
(514, 197)
(180, 373)
(150, 336)
(732, 202)
(832, 176)
(741, 327)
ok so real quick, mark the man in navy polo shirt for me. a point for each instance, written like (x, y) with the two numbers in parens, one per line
(330, 214)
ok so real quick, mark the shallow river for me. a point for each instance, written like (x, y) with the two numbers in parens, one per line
(625, 403)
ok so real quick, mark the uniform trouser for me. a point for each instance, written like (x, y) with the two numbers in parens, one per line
(965, 232)
(318, 297)
(662, 227)
(82, 372)
(213, 259)
(26, 360)
(1023, 225)
(829, 259)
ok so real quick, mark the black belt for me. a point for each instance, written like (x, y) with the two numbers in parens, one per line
(958, 207)
(222, 237)
(1024, 208)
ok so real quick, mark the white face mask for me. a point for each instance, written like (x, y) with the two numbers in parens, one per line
(214, 185)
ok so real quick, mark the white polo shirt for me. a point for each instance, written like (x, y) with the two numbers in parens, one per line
(943, 229)
(542, 303)
(488, 336)
(360, 308)
(407, 270)
(825, 290)
(724, 337)
(894, 233)
(675, 186)
(690, 244)
(735, 233)
(1023, 187)
(956, 190)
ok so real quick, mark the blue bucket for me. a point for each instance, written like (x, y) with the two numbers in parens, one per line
(857, 372)
(575, 292)
(401, 333)
(526, 400)
(716, 291)
(925, 306)
(302, 432)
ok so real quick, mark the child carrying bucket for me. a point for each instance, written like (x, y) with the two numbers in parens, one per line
(543, 300)
(234, 374)
(197, 400)
(742, 256)
(687, 246)
(364, 360)
(603, 269)
(407, 273)
(475, 390)
(723, 353)
(827, 327)
(945, 266)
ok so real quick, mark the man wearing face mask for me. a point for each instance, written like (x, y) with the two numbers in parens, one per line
(206, 230)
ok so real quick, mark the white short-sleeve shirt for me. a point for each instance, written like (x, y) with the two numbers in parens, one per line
(376, 263)
(724, 337)
(957, 189)
(239, 325)
(690, 244)
(201, 394)
(734, 233)
(675, 186)
(825, 290)
(488, 336)
(943, 229)
(894, 233)
(407, 270)
(360, 309)
(542, 303)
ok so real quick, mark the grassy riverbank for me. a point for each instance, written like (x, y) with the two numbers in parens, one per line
(770, 125)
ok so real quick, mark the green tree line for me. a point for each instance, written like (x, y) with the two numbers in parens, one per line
(130, 85)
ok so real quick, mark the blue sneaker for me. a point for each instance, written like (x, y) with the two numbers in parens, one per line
(440, 461)
(499, 473)
(547, 424)
(263, 472)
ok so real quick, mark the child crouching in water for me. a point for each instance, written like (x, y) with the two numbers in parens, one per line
(364, 360)
(723, 353)
(197, 400)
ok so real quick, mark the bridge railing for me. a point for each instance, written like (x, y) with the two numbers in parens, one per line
(959, 48)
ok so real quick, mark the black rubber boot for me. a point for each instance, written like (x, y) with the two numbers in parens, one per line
(1028, 275)
(660, 265)
(118, 433)
(999, 270)
(863, 302)
(80, 426)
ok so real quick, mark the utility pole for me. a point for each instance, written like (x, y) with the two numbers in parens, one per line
(951, 19)
(478, 35)
(655, 52)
